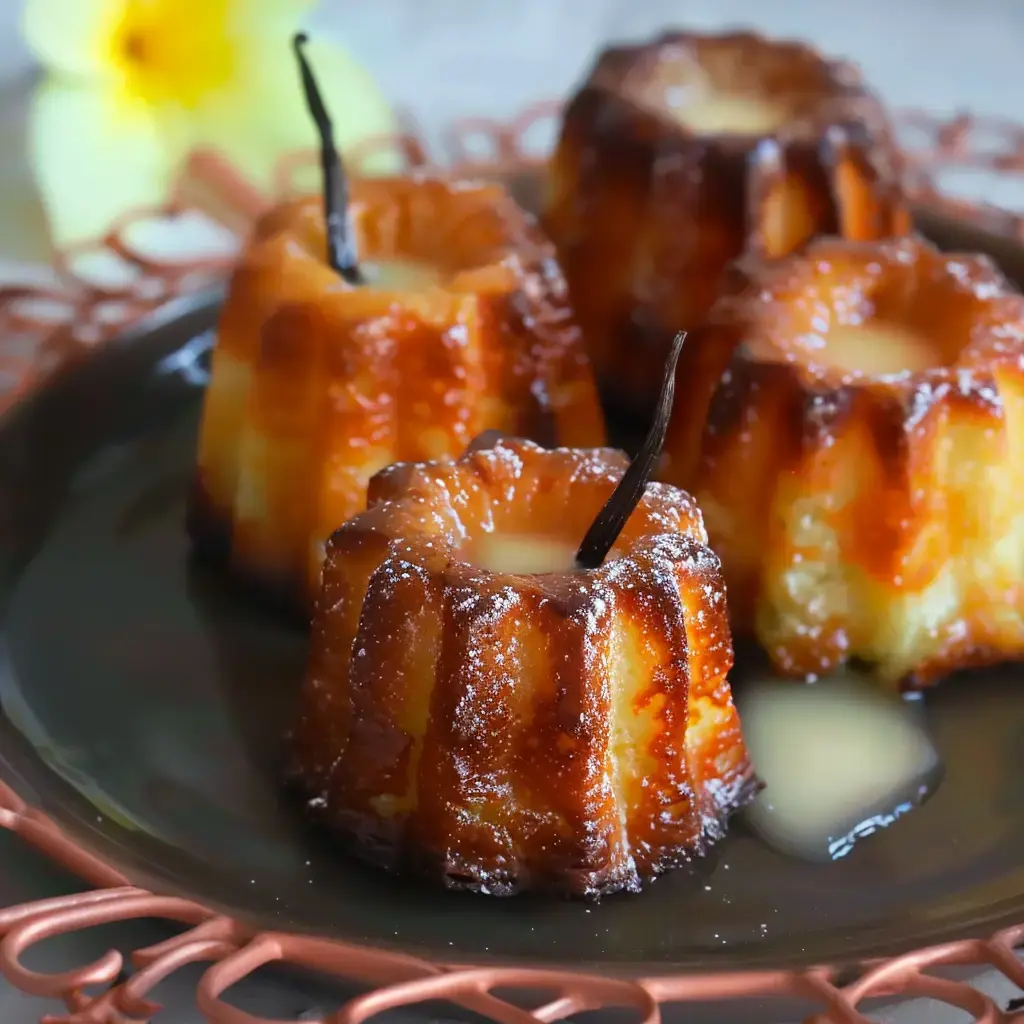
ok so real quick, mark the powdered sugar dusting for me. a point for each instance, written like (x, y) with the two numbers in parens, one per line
(520, 765)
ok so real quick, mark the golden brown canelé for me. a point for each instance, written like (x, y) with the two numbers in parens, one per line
(478, 711)
(851, 421)
(680, 154)
(464, 326)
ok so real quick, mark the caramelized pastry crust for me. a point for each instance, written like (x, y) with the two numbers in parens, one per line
(500, 730)
(316, 384)
(678, 155)
(851, 421)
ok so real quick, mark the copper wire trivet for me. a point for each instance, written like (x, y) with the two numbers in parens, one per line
(89, 314)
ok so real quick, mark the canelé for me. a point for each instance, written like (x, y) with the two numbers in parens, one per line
(851, 421)
(680, 154)
(481, 711)
(463, 325)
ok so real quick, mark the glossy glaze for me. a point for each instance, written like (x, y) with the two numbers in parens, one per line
(317, 384)
(865, 516)
(646, 213)
(500, 731)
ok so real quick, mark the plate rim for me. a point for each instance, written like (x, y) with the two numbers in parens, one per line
(237, 949)
(118, 897)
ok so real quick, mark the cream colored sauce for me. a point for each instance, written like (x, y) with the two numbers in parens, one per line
(522, 554)
(713, 113)
(876, 348)
(400, 275)
(840, 760)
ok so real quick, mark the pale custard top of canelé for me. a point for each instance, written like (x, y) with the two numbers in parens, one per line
(737, 83)
(418, 231)
(522, 553)
(853, 311)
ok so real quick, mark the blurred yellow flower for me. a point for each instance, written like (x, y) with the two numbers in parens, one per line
(131, 86)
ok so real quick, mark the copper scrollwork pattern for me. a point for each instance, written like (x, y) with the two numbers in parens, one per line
(79, 314)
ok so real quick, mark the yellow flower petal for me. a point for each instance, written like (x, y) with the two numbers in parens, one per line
(95, 156)
(79, 37)
(73, 38)
(139, 82)
(258, 11)
(262, 114)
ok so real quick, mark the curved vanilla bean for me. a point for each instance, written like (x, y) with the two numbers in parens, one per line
(341, 250)
(605, 529)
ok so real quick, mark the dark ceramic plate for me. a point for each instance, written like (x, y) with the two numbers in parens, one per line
(143, 702)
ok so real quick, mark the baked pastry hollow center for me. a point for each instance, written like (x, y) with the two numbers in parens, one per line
(877, 347)
(531, 554)
(710, 111)
(735, 85)
(904, 328)
(416, 234)
(400, 274)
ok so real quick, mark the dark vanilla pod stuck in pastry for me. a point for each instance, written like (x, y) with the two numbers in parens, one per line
(851, 422)
(518, 675)
(430, 311)
(680, 154)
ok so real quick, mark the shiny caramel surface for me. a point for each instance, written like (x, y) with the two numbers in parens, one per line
(464, 326)
(501, 731)
(680, 154)
(859, 515)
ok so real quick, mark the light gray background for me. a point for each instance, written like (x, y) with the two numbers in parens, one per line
(449, 58)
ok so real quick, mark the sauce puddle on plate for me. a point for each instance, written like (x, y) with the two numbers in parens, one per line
(840, 760)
